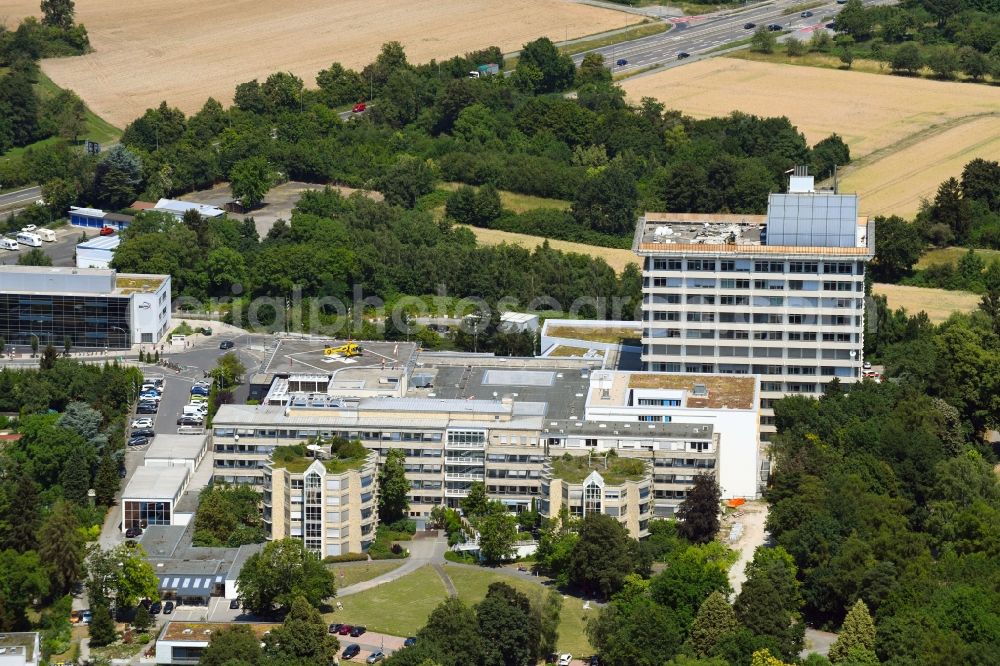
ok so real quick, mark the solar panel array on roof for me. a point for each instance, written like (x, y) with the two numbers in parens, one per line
(812, 220)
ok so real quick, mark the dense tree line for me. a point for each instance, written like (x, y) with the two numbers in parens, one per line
(886, 493)
(335, 245)
(71, 420)
(949, 36)
(430, 122)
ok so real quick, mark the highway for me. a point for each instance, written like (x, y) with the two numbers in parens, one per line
(18, 199)
(698, 35)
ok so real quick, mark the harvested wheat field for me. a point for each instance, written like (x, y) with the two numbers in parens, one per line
(895, 183)
(937, 303)
(906, 135)
(185, 50)
(618, 259)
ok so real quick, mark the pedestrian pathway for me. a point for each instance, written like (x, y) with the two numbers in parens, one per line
(422, 551)
(446, 579)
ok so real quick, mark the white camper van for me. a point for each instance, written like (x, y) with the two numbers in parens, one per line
(29, 238)
(46, 235)
(9, 244)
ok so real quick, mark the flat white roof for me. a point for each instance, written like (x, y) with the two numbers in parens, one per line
(186, 447)
(156, 483)
(101, 243)
(518, 317)
(178, 206)
(89, 212)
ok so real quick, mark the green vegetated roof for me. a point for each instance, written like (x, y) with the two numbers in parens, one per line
(574, 469)
(294, 458)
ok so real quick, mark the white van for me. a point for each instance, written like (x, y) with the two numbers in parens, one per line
(29, 238)
(9, 244)
(46, 235)
(195, 410)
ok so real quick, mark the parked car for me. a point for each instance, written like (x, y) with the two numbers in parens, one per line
(138, 441)
(565, 659)
(86, 616)
(358, 630)
(145, 432)
(594, 661)
(749, 26)
(156, 607)
(775, 27)
(621, 62)
(551, 658)
(334, 628)
(29, 228)
(345, 630)
(142, 423)
(682, 55)
(867, 365)
(351, 651)
(359, 107)
(234, 604)
(410, 642)
(190, 421)
(107, 231)
(145, 409)
(227, 344)
(200, 390)
(375, 656)
(122, 472)
(146, 603)
(197, 397)
(168, 608)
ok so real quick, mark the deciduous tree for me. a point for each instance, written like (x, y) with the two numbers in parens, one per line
(698, 514)
(393, 487)
(497, 533)
(600, 558)
(233, 645)
(250, 179)
(58, 13)
(284, 570)
(302, 637)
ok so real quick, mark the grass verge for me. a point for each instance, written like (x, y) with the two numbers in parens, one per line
(617, 258)
(796, 9)
(638, 32)
(399, 608)
(731, 45)
(96, 128)
(350, 573)
(514, 201)
(951, 255)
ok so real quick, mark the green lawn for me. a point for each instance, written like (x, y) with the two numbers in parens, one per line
(951, 255)
(350, 573)
(95, 127)
(473, 583)
(399, 608)
(518, 203)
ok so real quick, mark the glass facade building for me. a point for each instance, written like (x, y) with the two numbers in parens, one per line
(86, 321)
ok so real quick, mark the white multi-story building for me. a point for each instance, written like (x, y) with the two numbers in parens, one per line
(778, 295)
(469, 418)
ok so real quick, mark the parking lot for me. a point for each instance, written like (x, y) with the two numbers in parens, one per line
(62, 251)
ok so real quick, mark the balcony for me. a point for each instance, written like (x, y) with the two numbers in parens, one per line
(464, 476)
(454, 460)
(456, 492)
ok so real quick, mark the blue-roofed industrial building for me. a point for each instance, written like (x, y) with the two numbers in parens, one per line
(95, 218)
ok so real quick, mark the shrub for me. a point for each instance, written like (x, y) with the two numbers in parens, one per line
(346, 557)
